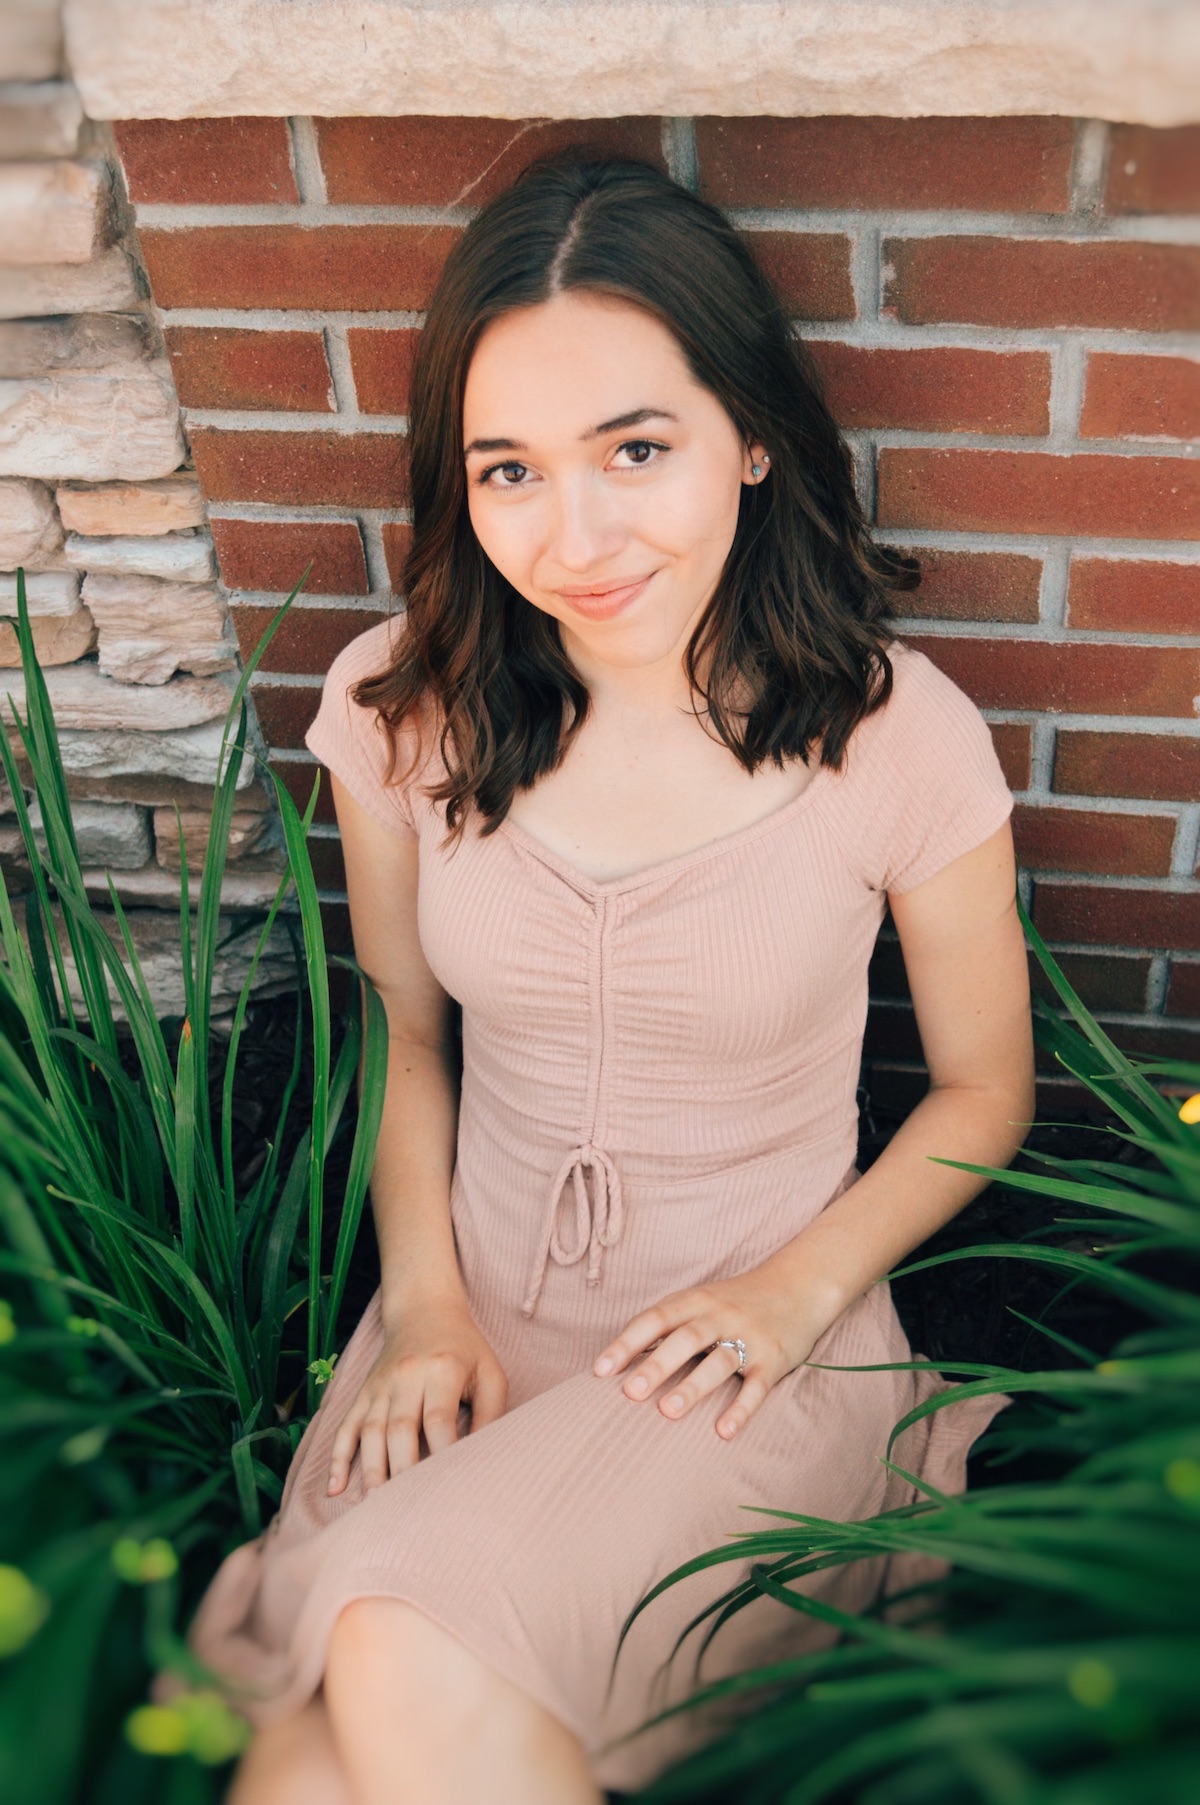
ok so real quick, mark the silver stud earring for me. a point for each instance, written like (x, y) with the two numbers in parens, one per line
(756, 470)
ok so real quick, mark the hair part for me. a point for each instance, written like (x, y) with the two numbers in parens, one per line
(793, 644)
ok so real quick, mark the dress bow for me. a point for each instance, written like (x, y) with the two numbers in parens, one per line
(598, 1218)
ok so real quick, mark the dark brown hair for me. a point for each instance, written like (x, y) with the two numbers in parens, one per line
(793, 643)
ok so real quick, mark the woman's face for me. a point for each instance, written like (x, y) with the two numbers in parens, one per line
(603, 480)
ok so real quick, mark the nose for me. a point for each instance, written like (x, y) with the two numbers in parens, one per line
(585, 530)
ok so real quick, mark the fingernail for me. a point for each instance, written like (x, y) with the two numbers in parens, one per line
(603, 1366)
(728, 1428)
(639, 1387)
(674, 1404)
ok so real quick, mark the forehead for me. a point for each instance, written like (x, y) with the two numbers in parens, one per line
(559, 368)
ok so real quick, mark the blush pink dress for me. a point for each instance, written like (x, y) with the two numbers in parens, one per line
(659, 1089)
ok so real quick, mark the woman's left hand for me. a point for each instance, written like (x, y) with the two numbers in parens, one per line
(777, 1331)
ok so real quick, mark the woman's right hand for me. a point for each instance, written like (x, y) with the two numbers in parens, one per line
(426, 1369)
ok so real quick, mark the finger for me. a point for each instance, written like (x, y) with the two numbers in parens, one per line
(679, 1347)
(404, 1424)
(344, 1443)
(641, 1332)
(754, 1389)
(721, 1364)
(443, 1394)
(372, 1444)
(489, 1396)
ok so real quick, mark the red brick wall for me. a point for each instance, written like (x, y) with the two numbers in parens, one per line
(1007, 312)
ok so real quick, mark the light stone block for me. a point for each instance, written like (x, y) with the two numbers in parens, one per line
(48, 594)
(245, 835)
(155, 933)
(107, 282)
(52, 212)
(113, 835)
(1135, 60)
(249, 885)
(191, 754)
(57, 639)
(187, 559)
(29, 526)
(91, 426)
(117, 509)
(39, 119)
(89, 341)
(86, 701)
(31, 40)
(149, 629)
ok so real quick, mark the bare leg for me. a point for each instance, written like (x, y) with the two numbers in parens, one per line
(419, 1720)
(293, 1762)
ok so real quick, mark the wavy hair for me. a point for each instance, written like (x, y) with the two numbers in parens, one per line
(793, 644)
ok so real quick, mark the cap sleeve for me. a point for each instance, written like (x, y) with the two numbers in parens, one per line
(928, 786)
(354, 743)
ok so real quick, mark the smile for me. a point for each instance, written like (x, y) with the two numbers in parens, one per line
(603, 603)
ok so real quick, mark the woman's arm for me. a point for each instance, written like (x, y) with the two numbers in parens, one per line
(433, 1355)
(965, 955)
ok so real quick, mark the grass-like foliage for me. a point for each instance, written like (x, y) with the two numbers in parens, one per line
(1058, 1662)
(159, 1311)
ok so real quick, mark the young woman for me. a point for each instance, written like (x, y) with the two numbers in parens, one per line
(632, 781)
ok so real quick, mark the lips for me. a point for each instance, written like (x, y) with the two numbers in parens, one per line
(604, 604)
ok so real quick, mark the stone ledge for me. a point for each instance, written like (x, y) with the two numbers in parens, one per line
(1134, 60)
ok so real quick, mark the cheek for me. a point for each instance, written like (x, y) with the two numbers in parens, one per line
(695, 514)
(505, 535)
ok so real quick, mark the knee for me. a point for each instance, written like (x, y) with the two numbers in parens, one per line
(387, 1647)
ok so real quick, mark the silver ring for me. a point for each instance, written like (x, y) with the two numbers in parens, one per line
(740, 1345)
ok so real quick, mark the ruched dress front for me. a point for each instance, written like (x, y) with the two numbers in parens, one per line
(659, 1089)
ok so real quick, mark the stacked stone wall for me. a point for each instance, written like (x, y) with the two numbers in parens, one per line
(100, 505)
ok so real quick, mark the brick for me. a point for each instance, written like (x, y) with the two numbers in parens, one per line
(397, 537)
(1141, 397)
(382, 362)
(302, 469)
(1107, 844)
(329, 866)
(225, 366)
(1165, 920)
(1103, 980)
(309, 639)
(1183, 987)
(298, 778)
(338, 267)
(939, 389)
(436, 162)
(1157, 1041)
(285, 712)
(1154, 171)
(1134, 595)
(1039, 492)
(809, 270)
(1043, 282)
(957, 585)
(1015, 165)
(1161, 767)
(1013, 741)
(272, 554)
(1074, 677)
(214, 160)
(166, 506)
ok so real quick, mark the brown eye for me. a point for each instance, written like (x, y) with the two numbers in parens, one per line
(639, 452)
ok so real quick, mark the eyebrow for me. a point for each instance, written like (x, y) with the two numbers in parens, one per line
(636, 417)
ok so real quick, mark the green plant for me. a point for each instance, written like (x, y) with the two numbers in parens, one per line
(1058, 1663)
(151, 1398)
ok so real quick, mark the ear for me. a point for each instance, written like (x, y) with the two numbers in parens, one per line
(755, 459)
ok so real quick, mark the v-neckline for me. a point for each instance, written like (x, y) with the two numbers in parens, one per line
(662, 868)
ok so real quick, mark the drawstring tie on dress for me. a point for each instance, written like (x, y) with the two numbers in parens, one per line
(597, 1220)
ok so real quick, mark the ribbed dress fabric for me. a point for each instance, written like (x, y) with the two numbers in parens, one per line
(659, 1089)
